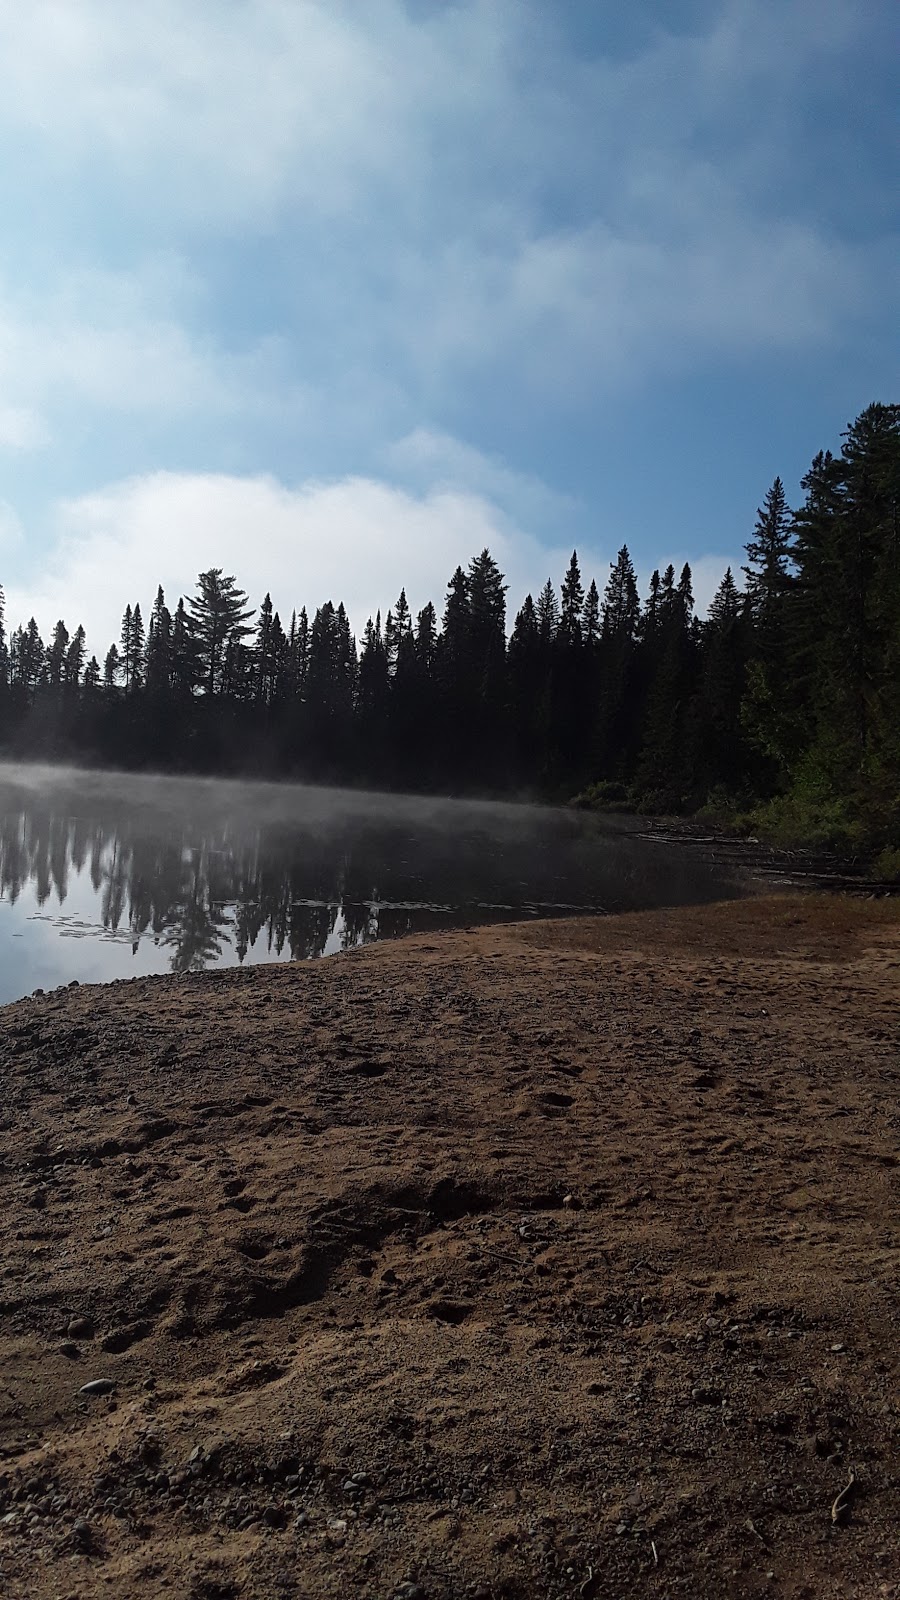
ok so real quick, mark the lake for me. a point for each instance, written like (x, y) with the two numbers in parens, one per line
(106, 876)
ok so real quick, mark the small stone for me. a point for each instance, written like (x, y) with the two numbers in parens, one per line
(97, 1386)
(571, 1202)
(131, 1099)
(79, 1328)
(70, 1350)
(838, 1349)
(82, 1532)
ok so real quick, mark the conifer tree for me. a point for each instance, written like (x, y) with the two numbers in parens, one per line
(590, 616)
(159, 648)
(218, 618)
(572, 597)
(111, 669)
(56, 655)
(138, 647)
(4, 648)
(73, 665)
(125, 653)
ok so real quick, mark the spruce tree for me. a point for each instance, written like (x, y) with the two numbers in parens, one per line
(111, 669)
(73, 665)
(56, 655)
(572, 597)
(126, 647)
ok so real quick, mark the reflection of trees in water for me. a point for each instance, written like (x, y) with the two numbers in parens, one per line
(275, 896)
(205, 891)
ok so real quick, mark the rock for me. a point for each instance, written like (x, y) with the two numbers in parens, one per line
(82, 1532)
(703, 1396)
(70, 1351)
(97, 1386)
(571, 1202)
(79, 1328)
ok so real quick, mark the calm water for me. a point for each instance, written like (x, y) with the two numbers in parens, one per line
(106, 876)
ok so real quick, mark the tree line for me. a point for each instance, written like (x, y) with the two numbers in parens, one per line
(786, 692)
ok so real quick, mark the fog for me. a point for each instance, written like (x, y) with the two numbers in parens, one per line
(108, 875)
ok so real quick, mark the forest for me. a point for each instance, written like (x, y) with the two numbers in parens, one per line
(782, 704)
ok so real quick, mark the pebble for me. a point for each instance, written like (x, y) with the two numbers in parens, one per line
(97, 1386)
(79, 1328)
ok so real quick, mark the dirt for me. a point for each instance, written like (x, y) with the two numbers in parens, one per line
(547, 1260)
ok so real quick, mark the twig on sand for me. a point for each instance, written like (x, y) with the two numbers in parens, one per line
(500, 1255)
(841, 1504)
(655, 1556)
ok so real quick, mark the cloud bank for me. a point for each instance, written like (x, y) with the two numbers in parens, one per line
(359, 540)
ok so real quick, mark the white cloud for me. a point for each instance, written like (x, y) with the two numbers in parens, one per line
(115, 345)
(358, 540)
(475, 196)
(20, 428)
(429, 457)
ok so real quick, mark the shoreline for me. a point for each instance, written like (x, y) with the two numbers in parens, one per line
(541, 1258)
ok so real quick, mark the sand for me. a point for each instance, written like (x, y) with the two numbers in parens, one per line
(556, 1259)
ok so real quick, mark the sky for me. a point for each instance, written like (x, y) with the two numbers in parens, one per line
(334, 293)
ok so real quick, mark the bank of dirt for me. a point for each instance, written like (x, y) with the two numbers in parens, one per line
(557, 1259)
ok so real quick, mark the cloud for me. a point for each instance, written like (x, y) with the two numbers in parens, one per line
(119, 345)
(358, 540)
(456, 189)
(429, 457)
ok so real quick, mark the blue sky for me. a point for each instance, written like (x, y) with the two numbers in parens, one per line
(332, 294)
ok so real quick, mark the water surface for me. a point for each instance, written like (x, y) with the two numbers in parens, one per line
(107, 876)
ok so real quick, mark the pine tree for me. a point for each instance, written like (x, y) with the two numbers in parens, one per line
(219, 615)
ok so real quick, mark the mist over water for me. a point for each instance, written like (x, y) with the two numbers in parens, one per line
(107, 876)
